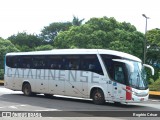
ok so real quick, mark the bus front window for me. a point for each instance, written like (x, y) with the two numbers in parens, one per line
(137, 78)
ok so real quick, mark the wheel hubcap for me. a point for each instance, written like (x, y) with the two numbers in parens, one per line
(98, 96)
(27, 90)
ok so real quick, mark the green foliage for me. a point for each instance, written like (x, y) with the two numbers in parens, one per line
(25, 42)
(1, 74)
(44, 47)
(155, 86)
(76, 21)
(50, 32)
(151, 81)
(5, 47)
(153, 40)
(104, 33)
(153, 52)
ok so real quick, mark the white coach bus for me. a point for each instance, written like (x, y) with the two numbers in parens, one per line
(97, 74)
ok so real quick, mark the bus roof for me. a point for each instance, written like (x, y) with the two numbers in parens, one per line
(78, 51)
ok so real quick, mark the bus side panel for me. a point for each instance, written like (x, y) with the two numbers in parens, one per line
(8, 82)
(8, 79)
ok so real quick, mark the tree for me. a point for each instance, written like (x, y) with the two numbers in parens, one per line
(5, 47)
(76, 21)
(50, 32)
(153, 43)
(25, 42)
(44, 47)
(153, 51)
(104, 33)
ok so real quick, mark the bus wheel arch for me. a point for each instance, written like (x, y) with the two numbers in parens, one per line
(97, 95)
(26, 89)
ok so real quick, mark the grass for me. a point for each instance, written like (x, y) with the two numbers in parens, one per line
(155, 86)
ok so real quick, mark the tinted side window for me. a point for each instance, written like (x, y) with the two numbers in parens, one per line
(13, 61)
(39, 62)
(109, 64)
(55, 62)
(9, 61)
(64, 62)
(116, 70)
(119, 75)
(91, 63)
(72, 62)
(26, 62)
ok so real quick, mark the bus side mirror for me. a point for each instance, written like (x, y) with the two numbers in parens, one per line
(131, 66)
(152, 69)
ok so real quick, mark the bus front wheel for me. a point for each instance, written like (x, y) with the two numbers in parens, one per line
(98, 97)
(27, 89)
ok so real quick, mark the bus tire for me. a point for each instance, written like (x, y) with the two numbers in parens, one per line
(27, 89)
(98, 97)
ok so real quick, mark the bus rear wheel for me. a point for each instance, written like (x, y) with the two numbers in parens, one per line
(98, 97)
(27, 89)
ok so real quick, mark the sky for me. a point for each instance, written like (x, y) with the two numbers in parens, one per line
(32, 16)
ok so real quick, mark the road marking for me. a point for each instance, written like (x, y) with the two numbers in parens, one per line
(8, 91)
(23, 105)
(155, 100)
(14, 107)
(48, 110)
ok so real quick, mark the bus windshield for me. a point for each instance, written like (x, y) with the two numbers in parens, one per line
(137, 78)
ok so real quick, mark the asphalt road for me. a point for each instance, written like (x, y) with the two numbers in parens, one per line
(16, 101)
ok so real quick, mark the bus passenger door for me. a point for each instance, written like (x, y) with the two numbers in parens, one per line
(118, 83)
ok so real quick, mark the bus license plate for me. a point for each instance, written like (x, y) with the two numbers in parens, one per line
(142, 99)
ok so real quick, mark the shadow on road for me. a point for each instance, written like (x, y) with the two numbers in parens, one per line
(67, 104)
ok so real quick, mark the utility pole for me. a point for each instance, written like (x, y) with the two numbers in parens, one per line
(145, 41)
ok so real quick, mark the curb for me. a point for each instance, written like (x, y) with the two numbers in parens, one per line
(154, 92)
